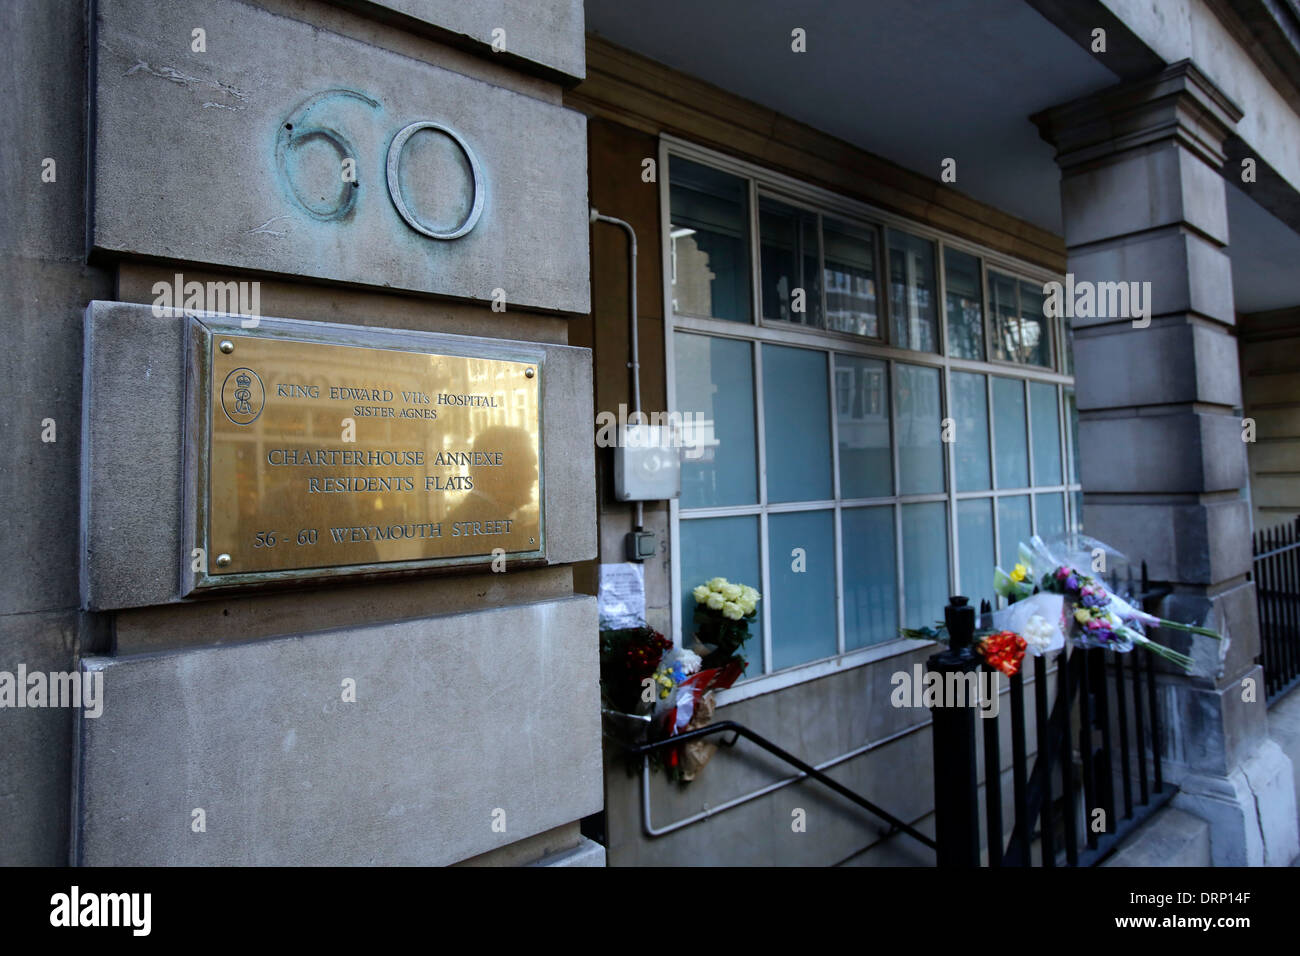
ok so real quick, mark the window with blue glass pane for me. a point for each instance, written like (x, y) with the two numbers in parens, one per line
(969, 409)
(715, 392)
(797, 424)
(862, 423)
(975, 547)
(920, 436)
(1046, 429)
(870, 576)
(802, 602)
(1051, 515)
(925, 563)
(1012, 452)
(1013, 528)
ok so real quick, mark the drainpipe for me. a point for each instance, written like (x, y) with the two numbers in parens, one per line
(634, 364)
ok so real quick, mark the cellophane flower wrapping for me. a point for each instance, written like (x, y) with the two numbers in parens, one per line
(1093, 616)
(1039, 619)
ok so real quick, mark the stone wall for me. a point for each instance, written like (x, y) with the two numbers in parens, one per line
(173, 156)
(1270, 383)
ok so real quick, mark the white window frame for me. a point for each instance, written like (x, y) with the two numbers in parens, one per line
(759, 331)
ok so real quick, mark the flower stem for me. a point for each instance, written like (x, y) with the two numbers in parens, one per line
(1193, 628)
(1168, 653)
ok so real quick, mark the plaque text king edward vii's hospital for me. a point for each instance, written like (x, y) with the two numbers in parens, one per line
(329, 455)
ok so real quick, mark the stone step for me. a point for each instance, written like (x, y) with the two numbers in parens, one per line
(1170, 838)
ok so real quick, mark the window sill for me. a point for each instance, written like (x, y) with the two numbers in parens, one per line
(800, 673)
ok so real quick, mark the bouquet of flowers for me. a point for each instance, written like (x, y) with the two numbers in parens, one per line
(1000, 650)
(723, 612)
(1003, 651)
(1089, 613)
(662, 691)
(686, 679)
(628, 657)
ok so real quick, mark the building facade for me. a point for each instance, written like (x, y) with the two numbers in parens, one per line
(928, 280)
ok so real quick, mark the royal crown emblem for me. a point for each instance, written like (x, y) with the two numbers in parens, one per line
(242, 396)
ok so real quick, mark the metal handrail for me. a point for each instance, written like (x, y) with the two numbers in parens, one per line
(739, 730)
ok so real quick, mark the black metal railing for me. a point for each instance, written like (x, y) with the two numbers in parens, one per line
(1096, 774)
(806, 770)
(1277, 592)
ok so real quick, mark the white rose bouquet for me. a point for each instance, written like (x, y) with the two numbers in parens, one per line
(723, 611)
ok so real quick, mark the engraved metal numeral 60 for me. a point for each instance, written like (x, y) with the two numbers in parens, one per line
(395, 190)
(302, 128)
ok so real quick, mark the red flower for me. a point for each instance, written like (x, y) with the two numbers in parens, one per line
(1003, 651)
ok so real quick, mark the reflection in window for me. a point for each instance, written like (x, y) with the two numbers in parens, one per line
(965, 304)
(710, 242)
(791, 275)
(912, 292)
(1035, 329)
(850, 254)
(1020, 330)
(862, 421)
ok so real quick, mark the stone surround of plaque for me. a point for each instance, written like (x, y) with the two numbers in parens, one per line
(219, 457)
(284, 148)
(315, 455)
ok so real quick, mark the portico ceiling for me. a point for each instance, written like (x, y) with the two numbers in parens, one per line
(912, 82)
(918, 82)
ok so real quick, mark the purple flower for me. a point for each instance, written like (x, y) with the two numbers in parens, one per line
(1102, 632)
(1072, 582)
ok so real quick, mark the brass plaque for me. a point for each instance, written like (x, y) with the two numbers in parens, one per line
(322, 456)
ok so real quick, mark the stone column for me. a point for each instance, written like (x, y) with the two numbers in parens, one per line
(1160, 433)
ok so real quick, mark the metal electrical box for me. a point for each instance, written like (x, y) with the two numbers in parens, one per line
(647, 464)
